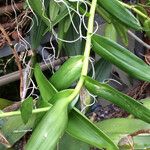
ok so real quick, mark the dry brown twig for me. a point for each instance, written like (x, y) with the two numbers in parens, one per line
(15, 55)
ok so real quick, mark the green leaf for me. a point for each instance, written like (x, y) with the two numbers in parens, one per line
(121, 127)
(120, 13)
(81, 128)
(74, 48)
(142, 10)
(62, 14)
(13, 128)
(4, 103)
(47, 90)
(77, 123)
(121, 57)
(37, 32)
(40, 10)
(103, 13)
(26, 109)
(147, 27)
(51, 128)
(125, 102)
(59, 95)
(54, 9)
(146, 102)
(69, 143)
(102, 70)
(110, 32)
(122, 31)
(63, 27)
(68, 73)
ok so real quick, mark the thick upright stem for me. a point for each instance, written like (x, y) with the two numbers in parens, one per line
(84, 67)
(86, 51)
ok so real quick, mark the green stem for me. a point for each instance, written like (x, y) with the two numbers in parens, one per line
(16, 113)
(86, 51)
(131, 7)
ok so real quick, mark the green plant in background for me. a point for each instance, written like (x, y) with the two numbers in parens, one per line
(54, 117)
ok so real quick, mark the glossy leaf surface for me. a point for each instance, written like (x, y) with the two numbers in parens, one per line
(26, 109)
(125, 102)
(51, 127)
(68, 73)
(120, 13)
(118, 128)
(121, 57)
(75, 125)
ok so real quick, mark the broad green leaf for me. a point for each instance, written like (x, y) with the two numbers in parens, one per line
(26, 109)
(63, 27)
(54, 9)
(40, 10)
(81, 8)
(67, 23)
(62, 14)
(103, 13)
(120, 13)
(110, 32)
(77, 124)
(69, 143)
(142, 141)
(47, 90)
(51, 127)
(118, 128)
(81, 128)
(76, 47)
(146, 102)
(4, 103)
(102, 70)
(37, 32)
(122, 31)
(13, 128)
(125, 102)
(68, 73)
(60, 95)
(121, 57)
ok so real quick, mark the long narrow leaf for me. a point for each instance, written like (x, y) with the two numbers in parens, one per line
(76, 124)
(127, 103)
(69, 143)
(51, 127)
(26, 109)
(4, 103)
(39, 9)
(37, 29)
(47, 90)
(121, 57)
(13, 128)
(81, 128)
(120, 13)
(118, 128)
(103, 69)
